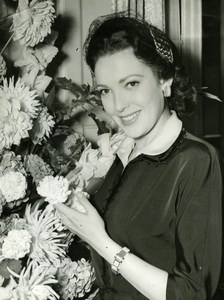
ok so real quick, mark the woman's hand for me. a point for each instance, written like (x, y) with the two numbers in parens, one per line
(88, 226)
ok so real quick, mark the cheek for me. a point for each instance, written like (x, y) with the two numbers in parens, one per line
(108, 106)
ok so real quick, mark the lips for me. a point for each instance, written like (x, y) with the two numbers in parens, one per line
(130, 119)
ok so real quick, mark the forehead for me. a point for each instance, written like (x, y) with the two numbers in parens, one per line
(119, 65)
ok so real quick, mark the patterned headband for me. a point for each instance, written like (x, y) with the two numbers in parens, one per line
(162, 44)
(163, 47)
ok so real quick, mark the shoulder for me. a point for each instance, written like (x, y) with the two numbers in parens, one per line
(199, 149)
(198, 157)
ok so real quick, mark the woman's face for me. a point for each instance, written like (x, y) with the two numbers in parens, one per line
(131, 93)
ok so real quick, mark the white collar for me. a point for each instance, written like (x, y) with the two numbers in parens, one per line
(123, 145)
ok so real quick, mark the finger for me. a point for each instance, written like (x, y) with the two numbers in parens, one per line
(82, 198)
(65, 218)
(66, 212)
(60, 206)
(64, 209)
(79, 207)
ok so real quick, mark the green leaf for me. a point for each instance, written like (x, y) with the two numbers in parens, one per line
(211, 96)
(94, 99)
(50, 98)
(12, 264)
(63, 130)
(77, 103)
(201, 92)
(51, 38)
(6, 22)
(102, 128)
(67, 84)
(86, 89)
(57, 160)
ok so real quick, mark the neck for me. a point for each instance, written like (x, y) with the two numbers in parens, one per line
(154, 132)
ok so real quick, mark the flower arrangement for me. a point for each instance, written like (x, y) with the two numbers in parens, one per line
(36, 171)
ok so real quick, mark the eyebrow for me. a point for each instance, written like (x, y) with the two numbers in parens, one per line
(128, 76)
(121, 80)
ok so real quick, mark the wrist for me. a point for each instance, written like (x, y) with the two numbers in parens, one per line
(118, 259)
(107, 248)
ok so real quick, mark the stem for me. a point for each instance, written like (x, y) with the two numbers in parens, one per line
(64, 168)
(82, 106)
(32, 148)
(9, 40)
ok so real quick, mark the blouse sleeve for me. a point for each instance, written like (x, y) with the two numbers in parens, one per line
(198, 231)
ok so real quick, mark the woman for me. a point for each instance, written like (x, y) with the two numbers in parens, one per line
(155, 224)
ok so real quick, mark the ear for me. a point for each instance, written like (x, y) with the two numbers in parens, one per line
(166, 86)
(164, 82)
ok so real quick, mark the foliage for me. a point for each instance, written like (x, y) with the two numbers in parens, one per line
(43, 160)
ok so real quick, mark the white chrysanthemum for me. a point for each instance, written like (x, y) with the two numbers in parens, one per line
(17, 244)
(20, 91)
(75, 278)
(18, 106)
(36, 58)
(33, 283)
(39, 83)
(54, 189)
(37, 167)
(13, 186)
(51, 269)
(32, 22)
(42, 127)
(47, 246)
(2, 68)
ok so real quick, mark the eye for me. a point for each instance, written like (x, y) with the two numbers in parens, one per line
(132, 84)
(103, 92)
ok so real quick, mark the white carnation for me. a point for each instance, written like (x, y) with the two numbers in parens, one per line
(17, 244)
(54, 189)
(13, 186)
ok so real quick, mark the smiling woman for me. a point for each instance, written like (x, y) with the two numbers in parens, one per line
(155, 224)
(132, 95)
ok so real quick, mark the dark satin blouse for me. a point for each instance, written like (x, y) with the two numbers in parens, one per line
(167, 209)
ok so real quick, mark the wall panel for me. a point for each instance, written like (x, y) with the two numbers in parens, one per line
(76, 16)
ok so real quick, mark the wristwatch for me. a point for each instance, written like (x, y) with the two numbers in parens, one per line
(118, 258)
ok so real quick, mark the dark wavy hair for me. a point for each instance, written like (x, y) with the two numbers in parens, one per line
(112, 33)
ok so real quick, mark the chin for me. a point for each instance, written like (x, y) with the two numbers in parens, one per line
(133, 134)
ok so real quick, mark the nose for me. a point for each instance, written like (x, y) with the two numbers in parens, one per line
(120, 101)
